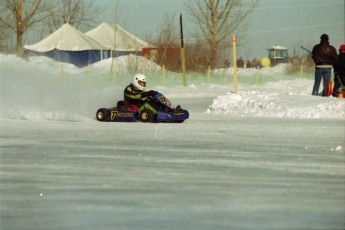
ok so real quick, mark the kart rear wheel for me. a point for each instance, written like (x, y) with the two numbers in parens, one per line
(146, 116)
(101, 114)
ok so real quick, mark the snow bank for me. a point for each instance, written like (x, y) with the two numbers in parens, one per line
(122, 64)
(42, 89)
(47, 64)
(125, 64)
(36, 90)
(248, 72)
(274, 105)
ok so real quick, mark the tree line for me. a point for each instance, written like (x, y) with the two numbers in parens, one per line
(17, 17)
(216, 21)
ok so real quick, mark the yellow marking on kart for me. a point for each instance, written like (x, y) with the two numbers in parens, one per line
(163, 99)
(115, 114)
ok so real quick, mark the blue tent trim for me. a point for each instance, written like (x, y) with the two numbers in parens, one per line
(78, 58)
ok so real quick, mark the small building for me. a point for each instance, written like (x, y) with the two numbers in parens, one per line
(278, 54)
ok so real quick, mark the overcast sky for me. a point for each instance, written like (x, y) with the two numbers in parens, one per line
(289, 23)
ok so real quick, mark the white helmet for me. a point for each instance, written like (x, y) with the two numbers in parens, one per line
(139, 81)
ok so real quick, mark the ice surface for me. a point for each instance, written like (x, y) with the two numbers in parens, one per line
(271, 157)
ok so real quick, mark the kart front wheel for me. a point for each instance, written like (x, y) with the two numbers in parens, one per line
(101, 114)
(146, 116)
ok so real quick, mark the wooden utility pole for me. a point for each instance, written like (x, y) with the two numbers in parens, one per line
(213, 35)
(235, 63)
(183, 57)
(20, 28)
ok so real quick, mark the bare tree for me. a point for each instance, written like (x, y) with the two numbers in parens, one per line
(3, 34)
(168, 33)
(20, 15)
(78, 13)
(2, 41)
(168, 52)
(218, 19)
(166, 40)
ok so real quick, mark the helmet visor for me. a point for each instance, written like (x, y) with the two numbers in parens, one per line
(142, 83)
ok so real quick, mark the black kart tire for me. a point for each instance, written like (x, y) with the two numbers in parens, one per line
(146, 116)
(101, 114)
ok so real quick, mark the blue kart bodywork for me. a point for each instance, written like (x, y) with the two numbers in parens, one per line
(156, 109)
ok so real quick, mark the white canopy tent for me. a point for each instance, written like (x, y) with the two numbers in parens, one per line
(69, 45)
(116, 38)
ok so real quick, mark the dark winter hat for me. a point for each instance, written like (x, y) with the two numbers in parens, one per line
(324, 37)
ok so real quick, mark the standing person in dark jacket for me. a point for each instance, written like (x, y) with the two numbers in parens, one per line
(324, 56)
(339, 71)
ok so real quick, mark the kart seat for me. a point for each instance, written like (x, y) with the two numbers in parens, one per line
(122, 105)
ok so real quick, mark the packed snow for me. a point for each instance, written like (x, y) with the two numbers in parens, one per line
(277, 104)
(269, 157)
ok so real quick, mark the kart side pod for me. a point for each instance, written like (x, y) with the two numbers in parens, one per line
(114, 114)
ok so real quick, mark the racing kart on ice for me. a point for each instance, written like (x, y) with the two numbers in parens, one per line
(156, 109)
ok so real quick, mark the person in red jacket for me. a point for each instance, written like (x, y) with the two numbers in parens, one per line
(339, 72)
(324, 56)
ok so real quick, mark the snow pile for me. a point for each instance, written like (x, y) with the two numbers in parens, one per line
(281, 99)
(124, 64)
(48, 64)
(247, 72)
(264, 104)
(36, 90)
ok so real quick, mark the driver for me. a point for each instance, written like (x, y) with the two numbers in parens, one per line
(135, 93)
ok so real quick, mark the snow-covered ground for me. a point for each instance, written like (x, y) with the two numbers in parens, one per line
(269, 157)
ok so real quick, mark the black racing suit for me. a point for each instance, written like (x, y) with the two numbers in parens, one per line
(135, 96)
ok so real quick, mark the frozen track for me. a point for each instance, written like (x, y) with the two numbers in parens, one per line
(211, 172)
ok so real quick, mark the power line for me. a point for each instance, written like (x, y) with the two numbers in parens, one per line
(275, 7)
(294, 28)
(299, 6)
(268, 31)
(285, 29)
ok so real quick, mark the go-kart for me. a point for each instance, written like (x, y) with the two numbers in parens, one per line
(156, 109)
